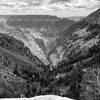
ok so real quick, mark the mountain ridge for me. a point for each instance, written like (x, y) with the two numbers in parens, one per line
(82, 56)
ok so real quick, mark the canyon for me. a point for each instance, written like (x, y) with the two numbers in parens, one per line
(47, 55)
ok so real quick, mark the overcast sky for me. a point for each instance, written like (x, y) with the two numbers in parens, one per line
(62, 8)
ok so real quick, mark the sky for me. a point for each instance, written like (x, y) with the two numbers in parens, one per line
(60, 8)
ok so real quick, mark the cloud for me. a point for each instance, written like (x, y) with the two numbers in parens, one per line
(82, 4)
(57, 1)
(54, 7)
(33, 2)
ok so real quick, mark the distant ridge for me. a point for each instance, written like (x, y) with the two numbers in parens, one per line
(76, 18)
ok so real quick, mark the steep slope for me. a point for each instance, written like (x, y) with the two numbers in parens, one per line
(83, 34)
(94, 18)
(18, 68)
(79, 68)
(40, 33)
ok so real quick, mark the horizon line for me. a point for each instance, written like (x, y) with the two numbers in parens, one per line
(1, 14)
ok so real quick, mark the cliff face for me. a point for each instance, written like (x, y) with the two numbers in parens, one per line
(94, 18)
(40, 33)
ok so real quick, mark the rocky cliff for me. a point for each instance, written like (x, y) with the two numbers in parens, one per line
(40, 33)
